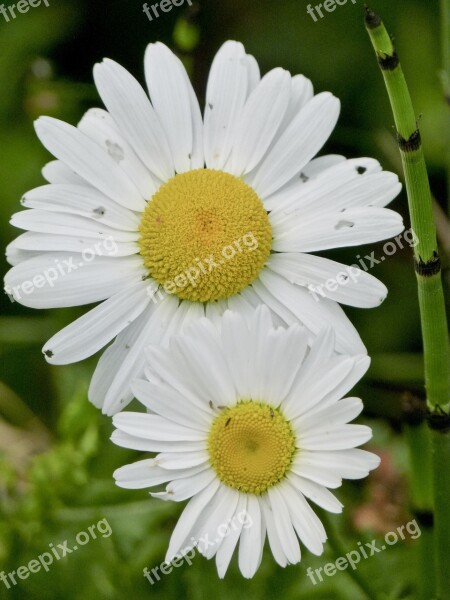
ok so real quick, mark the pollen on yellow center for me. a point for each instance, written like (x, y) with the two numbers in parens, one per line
(251, 446)
(205, 235)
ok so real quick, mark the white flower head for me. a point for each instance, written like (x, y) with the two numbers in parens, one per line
(249, 424)
(165, 215)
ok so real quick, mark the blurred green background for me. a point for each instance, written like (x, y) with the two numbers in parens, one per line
(56, 461)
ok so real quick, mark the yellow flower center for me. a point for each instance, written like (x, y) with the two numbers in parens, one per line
(251, 446)
(205, 235)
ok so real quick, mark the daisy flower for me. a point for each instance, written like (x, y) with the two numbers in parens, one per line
(247, 419)
(165, 216)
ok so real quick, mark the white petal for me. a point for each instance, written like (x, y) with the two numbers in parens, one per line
(131, 109)
(333, 183)
(215, 521)
(14, 255)
(145, 473)
(314, 315)
(100, 127)
(243, 303)
(352, 227)
(327, 278)
(83, 201)
(306, 523)
(88, 334)
(56, 171)
(254, 74)
(175, 104)
(215, 310)
(155, 428)
(87, 159)
(303, 138)
(337, 438)
(225, 98)
(48, 242)
(259, 121)
(251, 543)
(288, 195)
(228, 544)
(317, 493)
(165, 401)
(273, 536)
(312, 385)
(360, 367)
(55, 279)
(177, 460)
(235, 340)
(319, 165)
(260, 325)
(160, 367)
(124, 440)
(329, 418)
(301, 92)
(284, 527)
(186, 487)
(187, 313)
(189, 517)
(329, 467)
(277, 361)
(305, 466)
(278, 309)
(124, 360)
(46, 221)
(203, 364)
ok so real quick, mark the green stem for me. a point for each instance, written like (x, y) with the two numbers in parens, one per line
(421, 486)
(435, 340)
(425, 558)
(418, 437)
(431, 297)
(428, 272)
(339, 550)
(441, 453)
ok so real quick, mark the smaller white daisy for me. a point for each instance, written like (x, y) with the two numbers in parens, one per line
(247, 420)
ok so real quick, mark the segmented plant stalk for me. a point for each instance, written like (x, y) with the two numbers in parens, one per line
(421, 489)
(431, 297)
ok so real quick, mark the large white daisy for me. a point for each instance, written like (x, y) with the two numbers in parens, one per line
(247, 420)
(165, 216)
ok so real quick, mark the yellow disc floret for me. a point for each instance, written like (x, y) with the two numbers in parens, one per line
(251, 446)
(205, 235)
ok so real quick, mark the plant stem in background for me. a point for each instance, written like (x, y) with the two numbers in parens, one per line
(339, 549)
(421, 489)
(445, 76)
(431, 297)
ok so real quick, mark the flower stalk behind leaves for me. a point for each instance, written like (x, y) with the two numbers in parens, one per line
(428, 272)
